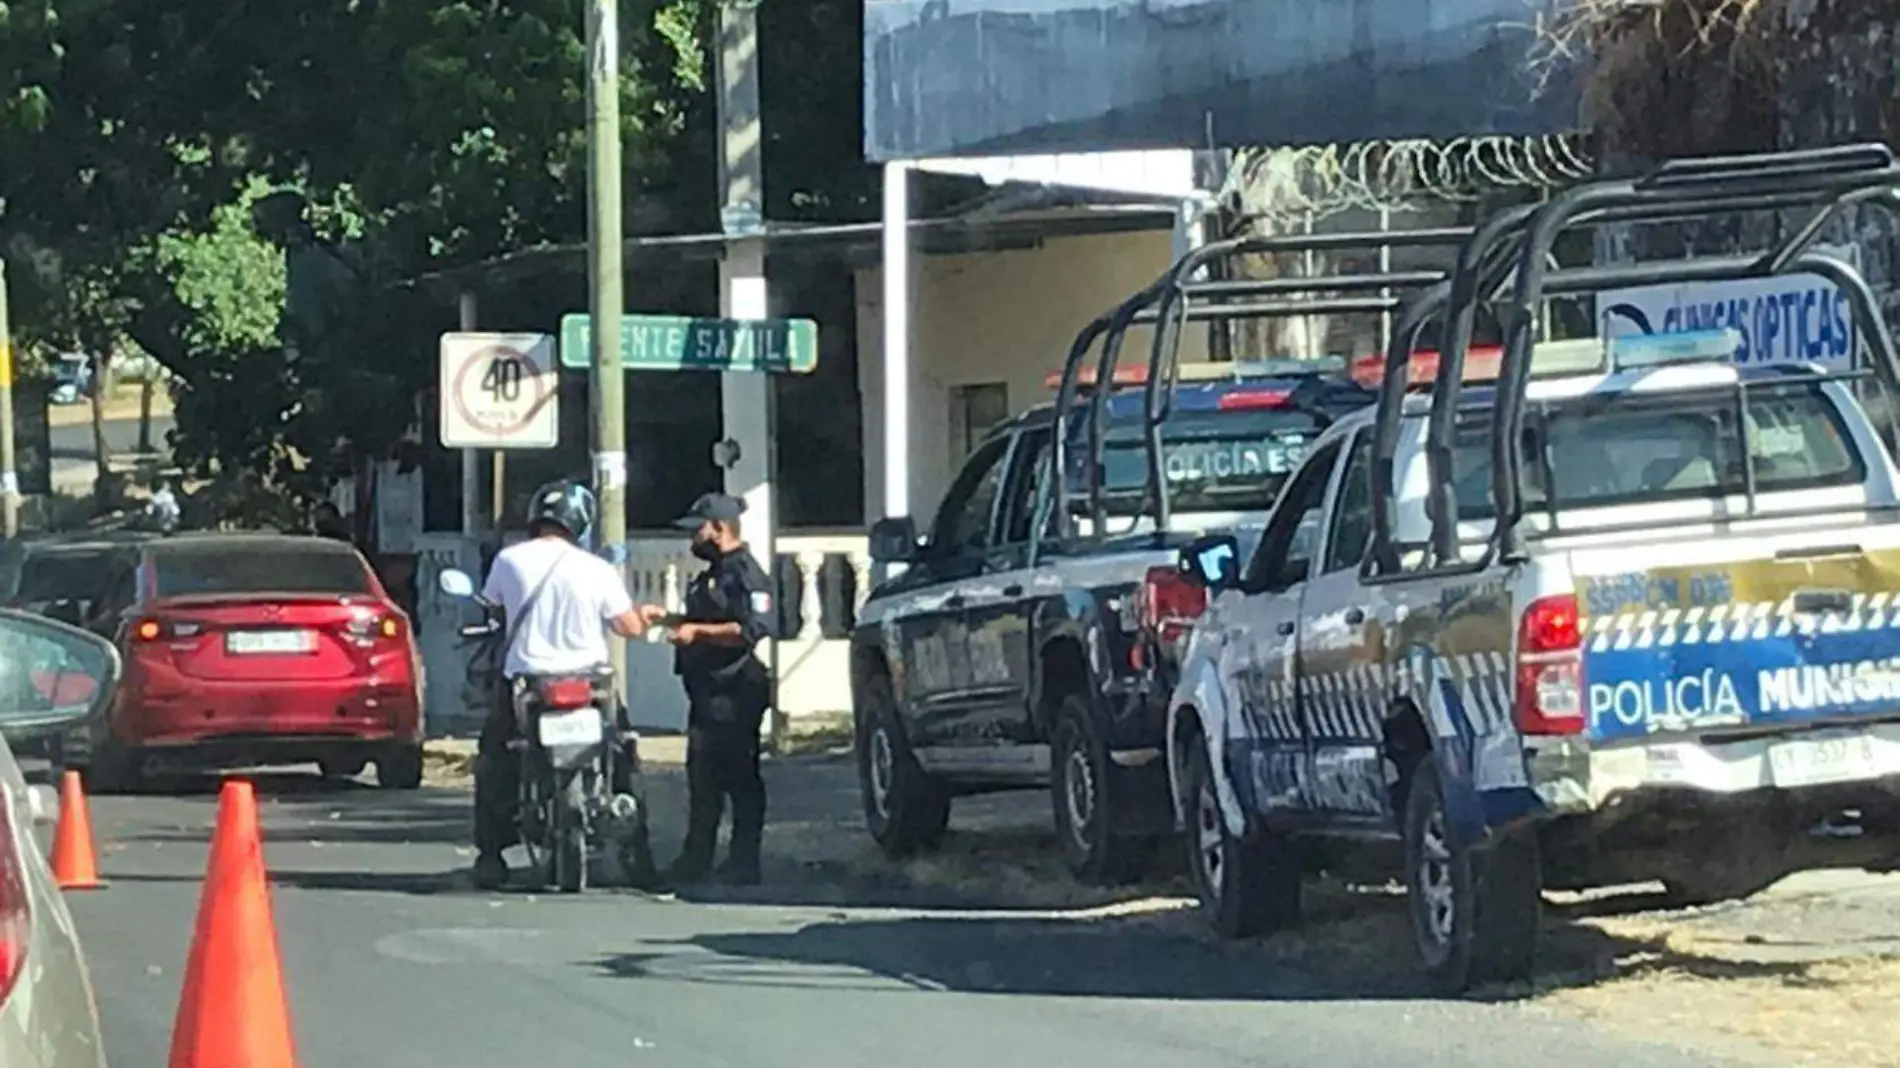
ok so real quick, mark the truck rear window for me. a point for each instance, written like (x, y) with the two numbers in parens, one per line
(1629, 448)
(279, 567)
(1222, 461)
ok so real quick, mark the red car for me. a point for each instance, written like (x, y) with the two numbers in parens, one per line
(255, 649)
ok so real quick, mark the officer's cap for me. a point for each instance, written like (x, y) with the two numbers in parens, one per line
(711, 507)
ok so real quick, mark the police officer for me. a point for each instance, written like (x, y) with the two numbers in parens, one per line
(728, 610)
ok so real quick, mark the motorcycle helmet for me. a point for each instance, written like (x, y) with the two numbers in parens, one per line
(568, 505)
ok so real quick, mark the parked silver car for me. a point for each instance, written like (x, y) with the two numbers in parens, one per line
(51, 676)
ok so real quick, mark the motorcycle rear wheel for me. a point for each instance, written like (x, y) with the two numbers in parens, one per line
(570, 836)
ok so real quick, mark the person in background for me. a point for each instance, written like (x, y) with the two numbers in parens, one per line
(728, 690)
(328, 522)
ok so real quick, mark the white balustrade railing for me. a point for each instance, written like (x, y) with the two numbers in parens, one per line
(826, 583)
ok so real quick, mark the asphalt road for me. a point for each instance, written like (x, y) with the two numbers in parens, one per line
(392, 961)
(72, 448)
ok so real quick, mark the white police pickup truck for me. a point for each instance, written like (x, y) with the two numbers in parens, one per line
(1692, 666)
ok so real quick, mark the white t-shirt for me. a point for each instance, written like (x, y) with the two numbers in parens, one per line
(566, 628)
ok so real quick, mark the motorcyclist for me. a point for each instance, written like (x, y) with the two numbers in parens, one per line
(558, 602)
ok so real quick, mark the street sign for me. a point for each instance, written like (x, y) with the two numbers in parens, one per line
(682, 343)
(500, 391)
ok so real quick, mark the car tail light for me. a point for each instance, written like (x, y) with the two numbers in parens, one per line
(1169, 604)
(1549, 697)
(15, 916)
(1253, 399)
(368, 626)
(158, 630)
(565, 694)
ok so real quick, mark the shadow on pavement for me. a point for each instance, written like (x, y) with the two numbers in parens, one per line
(1138, 957)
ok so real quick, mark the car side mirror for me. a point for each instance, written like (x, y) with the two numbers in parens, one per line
(52, 675)
(455, 583)
(1212, 562)
(894, 540)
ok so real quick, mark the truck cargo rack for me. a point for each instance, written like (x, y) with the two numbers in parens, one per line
(1510, 252)
(1177, 297)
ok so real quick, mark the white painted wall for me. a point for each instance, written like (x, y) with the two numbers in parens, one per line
(1005, 317)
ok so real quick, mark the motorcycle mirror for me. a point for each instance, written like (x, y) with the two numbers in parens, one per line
(455, 583)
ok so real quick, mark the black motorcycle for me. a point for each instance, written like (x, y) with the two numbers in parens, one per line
(579, 804)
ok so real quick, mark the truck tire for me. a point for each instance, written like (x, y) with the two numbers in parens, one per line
(1476, 910)
(906, 811)
(1085, 788)
(1248, 885)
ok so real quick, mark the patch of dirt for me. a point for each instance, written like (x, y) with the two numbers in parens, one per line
(1672, 982)
(448, 762)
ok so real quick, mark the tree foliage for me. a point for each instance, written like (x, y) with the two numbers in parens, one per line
(167, 162)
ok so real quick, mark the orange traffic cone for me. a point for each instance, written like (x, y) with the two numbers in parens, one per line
(232, 1012)
(75, 861)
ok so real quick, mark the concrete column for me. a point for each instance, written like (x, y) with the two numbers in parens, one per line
(896, 356)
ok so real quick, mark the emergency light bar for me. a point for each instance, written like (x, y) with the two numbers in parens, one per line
(1579, 356)
(1209, 371)
(1688, 346)
(1324, 365)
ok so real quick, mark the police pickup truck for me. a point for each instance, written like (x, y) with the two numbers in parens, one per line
(1003, 658)
(1691, 666)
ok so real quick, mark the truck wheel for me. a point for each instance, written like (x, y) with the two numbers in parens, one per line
(1085, 789)
(1476, 911)
(906, 810)
(1248, 885)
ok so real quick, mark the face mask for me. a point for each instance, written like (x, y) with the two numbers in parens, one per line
(705, 550)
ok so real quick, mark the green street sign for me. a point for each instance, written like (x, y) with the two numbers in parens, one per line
(683, 343)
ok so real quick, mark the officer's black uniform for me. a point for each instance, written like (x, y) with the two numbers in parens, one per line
(727, 691)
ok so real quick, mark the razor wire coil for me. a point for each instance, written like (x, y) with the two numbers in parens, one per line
(1314, 181)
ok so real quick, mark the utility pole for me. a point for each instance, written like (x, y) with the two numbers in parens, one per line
(746, 409)
(9, 474)
(606, 300)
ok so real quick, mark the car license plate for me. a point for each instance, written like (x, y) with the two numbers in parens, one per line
(270, 642)
(1823, 759)
(579, 727)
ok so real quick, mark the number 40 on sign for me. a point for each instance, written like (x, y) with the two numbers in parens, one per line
(500, 391)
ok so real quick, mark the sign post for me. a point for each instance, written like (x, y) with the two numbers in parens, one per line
(500, 391)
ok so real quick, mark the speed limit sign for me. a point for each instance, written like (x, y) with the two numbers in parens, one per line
(500, 391)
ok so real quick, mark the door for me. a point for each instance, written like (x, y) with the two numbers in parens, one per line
(1260, 656)
(1339, 645)
(1000, 605)
(939, 684)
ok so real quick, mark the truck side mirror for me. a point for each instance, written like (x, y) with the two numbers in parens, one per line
(893, 540)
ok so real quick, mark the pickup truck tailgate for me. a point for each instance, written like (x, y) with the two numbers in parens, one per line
(1741, 634)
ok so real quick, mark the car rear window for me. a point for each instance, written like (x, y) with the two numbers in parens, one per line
(1634, 448)
(276, 568)
(1222, 461)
